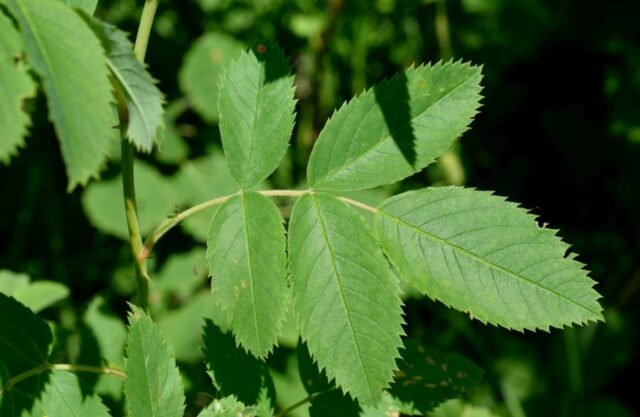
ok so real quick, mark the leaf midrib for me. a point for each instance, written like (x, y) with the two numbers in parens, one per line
(250, 267)
(481, 260)
(333, 173)
(341, 291)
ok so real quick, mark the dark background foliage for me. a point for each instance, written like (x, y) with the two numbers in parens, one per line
(559, 131)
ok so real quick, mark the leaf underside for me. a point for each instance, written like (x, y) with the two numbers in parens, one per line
(71, 63)
(256, 106)
(15, 86)
(153, 387)
(246, 251)
(480, 254)
(142, 96)
(345, 296)
(402, 125)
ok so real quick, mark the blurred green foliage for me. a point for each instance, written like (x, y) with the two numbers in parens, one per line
(559, 131)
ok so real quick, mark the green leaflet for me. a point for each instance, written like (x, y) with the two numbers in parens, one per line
(35, 295)
(402, 125)
(71, 64)
(226, 407)
(203, 66)
(143, 99)
(481, 254)
(256, 113)
(63, 397)
(247, 258)
(345, 296)
(15, 86)
(153, 387)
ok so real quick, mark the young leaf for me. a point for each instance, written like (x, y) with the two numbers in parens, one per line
(226, 407)
(63, 397)
(256, 113)
(233, 371)
(143, 99)
(402, 125)
(481, 254)
(203, 66)
(153, 387)
(71, 63)
(246, 251)
(15, 86)
(425, 379)
(345, 295)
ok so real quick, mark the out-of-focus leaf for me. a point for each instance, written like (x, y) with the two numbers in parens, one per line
(153, 387)
(182, 273)
(203, 65)
(182, 326)
(41, 294)
(89, 6)
(71, 63)
(156, 197)
(199, 180)
(256, 113)
(15, 87)
(457, 408)
(11, 281)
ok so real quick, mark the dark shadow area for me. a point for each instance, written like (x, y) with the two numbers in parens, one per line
(276, 65)
(236, 372)
(393, 98)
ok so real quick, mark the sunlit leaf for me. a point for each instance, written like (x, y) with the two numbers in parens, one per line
(247, 259)
(483, 255)
(345, 296)
(153, 387)
(402, 125)
(256, 113)
(15, 86)
(63, 397)
(72, 66)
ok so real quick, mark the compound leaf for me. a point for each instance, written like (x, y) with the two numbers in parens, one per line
(142, 97)
(63, 397)
(203, 66)
(481, 254)
(153, 387)
(345, 295)
(15, 86)
(256, 113)
(402, 125)
(246, 251)
(71, 63)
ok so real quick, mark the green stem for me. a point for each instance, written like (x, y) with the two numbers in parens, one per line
(300, 403)
(60, 367)
(173, 221)
(128, 183)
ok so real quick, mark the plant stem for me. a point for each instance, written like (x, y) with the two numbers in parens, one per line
(128, 183)
(442, 30)
(301, 402)
(60, 367)
(173, 221)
